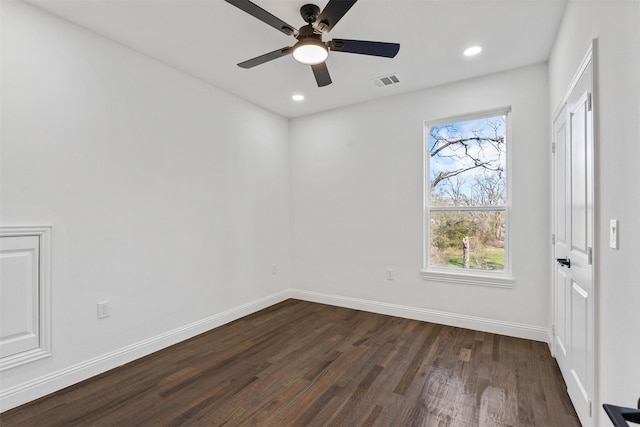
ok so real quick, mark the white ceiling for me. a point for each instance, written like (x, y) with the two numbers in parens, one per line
(207, 38)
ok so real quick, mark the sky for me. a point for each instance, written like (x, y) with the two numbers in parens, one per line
(454, 157)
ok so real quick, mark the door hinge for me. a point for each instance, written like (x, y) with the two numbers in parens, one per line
(590, 408)
(553, 148)
(553, 239)
(553, 330)
(589, 256)
(589, 102)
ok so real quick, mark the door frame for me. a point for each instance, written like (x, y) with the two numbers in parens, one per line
(589, 59)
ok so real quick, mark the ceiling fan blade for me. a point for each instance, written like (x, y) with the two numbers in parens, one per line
(388, 50)
(258, 12)
(321, 73)
(250, 63)
(332, 13)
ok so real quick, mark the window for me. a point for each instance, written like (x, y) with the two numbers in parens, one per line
(466, 200)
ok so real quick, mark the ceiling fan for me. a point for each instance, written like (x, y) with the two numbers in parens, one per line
(310, 49)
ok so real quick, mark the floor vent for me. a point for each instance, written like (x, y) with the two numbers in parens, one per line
(391, 79)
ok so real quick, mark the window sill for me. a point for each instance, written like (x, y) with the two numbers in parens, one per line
(469, 279)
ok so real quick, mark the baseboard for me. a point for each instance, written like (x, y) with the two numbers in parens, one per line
(34, 389)
(552, 343)
(518, 330)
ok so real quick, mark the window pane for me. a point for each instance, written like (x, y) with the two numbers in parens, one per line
(468, 239)
(467, 163)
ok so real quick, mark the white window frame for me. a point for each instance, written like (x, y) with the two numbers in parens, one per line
(501, 279)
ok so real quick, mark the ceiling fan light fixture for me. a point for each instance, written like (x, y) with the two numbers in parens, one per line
(310, 51)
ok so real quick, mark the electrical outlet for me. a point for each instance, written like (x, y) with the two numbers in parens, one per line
(103, 309)
(391, 274)
(274, 269)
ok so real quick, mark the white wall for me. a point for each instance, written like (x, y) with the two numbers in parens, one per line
(356, 196)
(616, 24)
(167, 197)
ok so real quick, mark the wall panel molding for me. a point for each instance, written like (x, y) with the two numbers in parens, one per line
(39, 296)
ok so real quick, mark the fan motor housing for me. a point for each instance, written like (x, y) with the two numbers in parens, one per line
(307, 31)
(310, 13)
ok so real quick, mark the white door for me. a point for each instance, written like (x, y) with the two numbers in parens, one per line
(573, 290)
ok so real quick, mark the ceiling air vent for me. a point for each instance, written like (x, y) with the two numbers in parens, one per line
(391, 79)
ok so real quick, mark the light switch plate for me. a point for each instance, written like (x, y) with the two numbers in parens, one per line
(613, 234)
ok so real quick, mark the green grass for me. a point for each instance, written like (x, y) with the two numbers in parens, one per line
(485, 261)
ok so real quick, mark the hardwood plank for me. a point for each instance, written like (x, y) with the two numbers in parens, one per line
(304, 364)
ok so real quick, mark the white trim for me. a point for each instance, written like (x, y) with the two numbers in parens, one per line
(471, 116)
(594, 55)
(478, 279)
(43, 232)
(469, 208)
(551, 341)
(518, 330)
(588, 58)
(36, 388)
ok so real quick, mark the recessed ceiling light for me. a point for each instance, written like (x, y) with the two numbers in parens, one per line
(297, 97)
(471, 51)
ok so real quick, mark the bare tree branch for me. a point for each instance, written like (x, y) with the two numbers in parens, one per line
(449, 143)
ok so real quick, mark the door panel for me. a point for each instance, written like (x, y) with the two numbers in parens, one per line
(579, 300)
(19, 295)
(562, 294)
(578, 179)
(561, 181)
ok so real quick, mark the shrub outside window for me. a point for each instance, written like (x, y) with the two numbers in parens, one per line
(466, 196)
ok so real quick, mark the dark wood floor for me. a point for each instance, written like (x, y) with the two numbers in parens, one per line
(304, 364)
